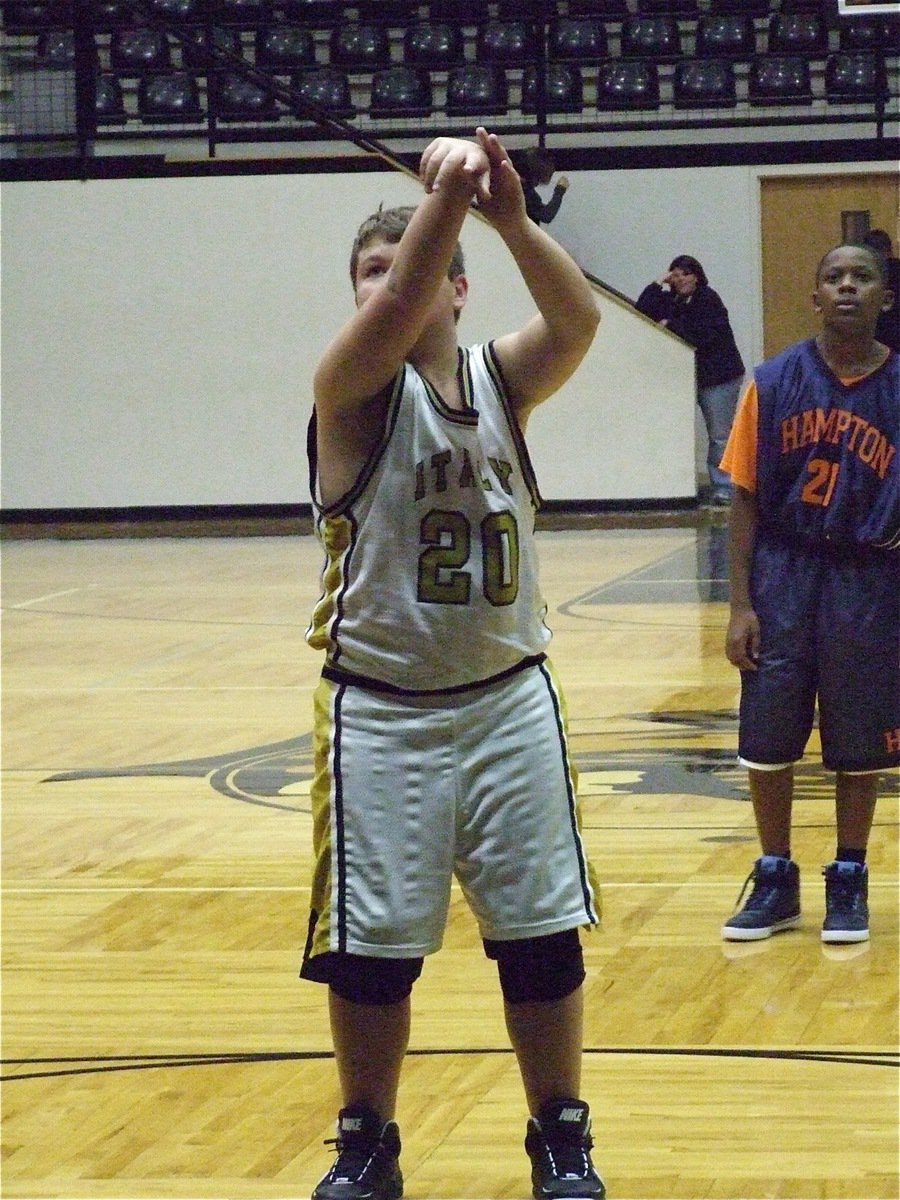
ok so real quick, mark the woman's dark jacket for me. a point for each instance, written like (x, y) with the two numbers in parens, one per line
(702, 321)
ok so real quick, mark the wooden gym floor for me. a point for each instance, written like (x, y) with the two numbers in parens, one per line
(156, 1040)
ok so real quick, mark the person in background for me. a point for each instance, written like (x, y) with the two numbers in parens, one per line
(683, 301)
(537, 167)
(887, 331)
(814, 547)
(440, 737)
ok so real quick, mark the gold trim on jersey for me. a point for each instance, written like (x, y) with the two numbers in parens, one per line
(337, 535)
(322, 799)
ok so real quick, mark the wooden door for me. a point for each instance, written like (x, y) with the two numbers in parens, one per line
(802, 218)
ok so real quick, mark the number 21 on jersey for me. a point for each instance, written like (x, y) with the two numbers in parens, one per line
(819, 488)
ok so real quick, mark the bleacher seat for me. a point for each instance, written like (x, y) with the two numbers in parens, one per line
(868, 32)
(854, 76)
(654, 37)
(360, 47)
(606, 10)
(726, 35)
(823, 7)
(477, 89)
(323, 13)
(327, 87)
(511, 43)
(627, 84)
(434, 44)
(468, 12)
(752, 8)
(246, 14)
(139, 50)
(31, 18)
(175, 10)
(563, 88)
(56, 50)
(577, 38)
(704, 83)
(401, 91)
(529, 10)
(678, 8)
(283, 47)
(108, 14)
(779, 79)
(240, 99)
(109, 101)
(169, 97)
(395, 12)
(798, 33)
(195, 50)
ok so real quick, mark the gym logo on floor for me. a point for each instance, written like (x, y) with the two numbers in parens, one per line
(687, 753)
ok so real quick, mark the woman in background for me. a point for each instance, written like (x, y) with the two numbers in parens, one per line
(683, 301)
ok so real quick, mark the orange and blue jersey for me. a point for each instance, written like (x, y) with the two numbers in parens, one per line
(819, 452)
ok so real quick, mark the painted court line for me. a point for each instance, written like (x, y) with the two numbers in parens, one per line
(49, 596)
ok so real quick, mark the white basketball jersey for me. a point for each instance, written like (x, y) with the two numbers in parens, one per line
(430, 578)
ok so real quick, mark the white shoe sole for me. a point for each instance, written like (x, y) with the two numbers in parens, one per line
(734, 933)
(845, 935)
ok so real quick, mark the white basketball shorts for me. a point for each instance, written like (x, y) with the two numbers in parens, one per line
(410, 793)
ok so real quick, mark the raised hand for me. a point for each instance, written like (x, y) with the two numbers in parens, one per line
(505, 203)
(454, 162)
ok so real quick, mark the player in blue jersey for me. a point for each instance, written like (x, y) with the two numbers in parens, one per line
(815, 588)
(441, 750)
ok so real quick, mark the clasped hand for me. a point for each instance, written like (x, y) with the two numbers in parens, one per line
(481, 167)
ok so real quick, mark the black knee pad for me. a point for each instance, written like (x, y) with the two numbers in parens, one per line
(542, 968)
(364, 980)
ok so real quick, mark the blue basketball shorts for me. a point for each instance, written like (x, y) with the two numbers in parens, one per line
(410, 793)
(829, 634)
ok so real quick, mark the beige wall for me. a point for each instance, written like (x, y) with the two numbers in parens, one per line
(159, 337)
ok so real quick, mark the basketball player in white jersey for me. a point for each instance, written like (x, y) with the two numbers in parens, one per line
(440, 730)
